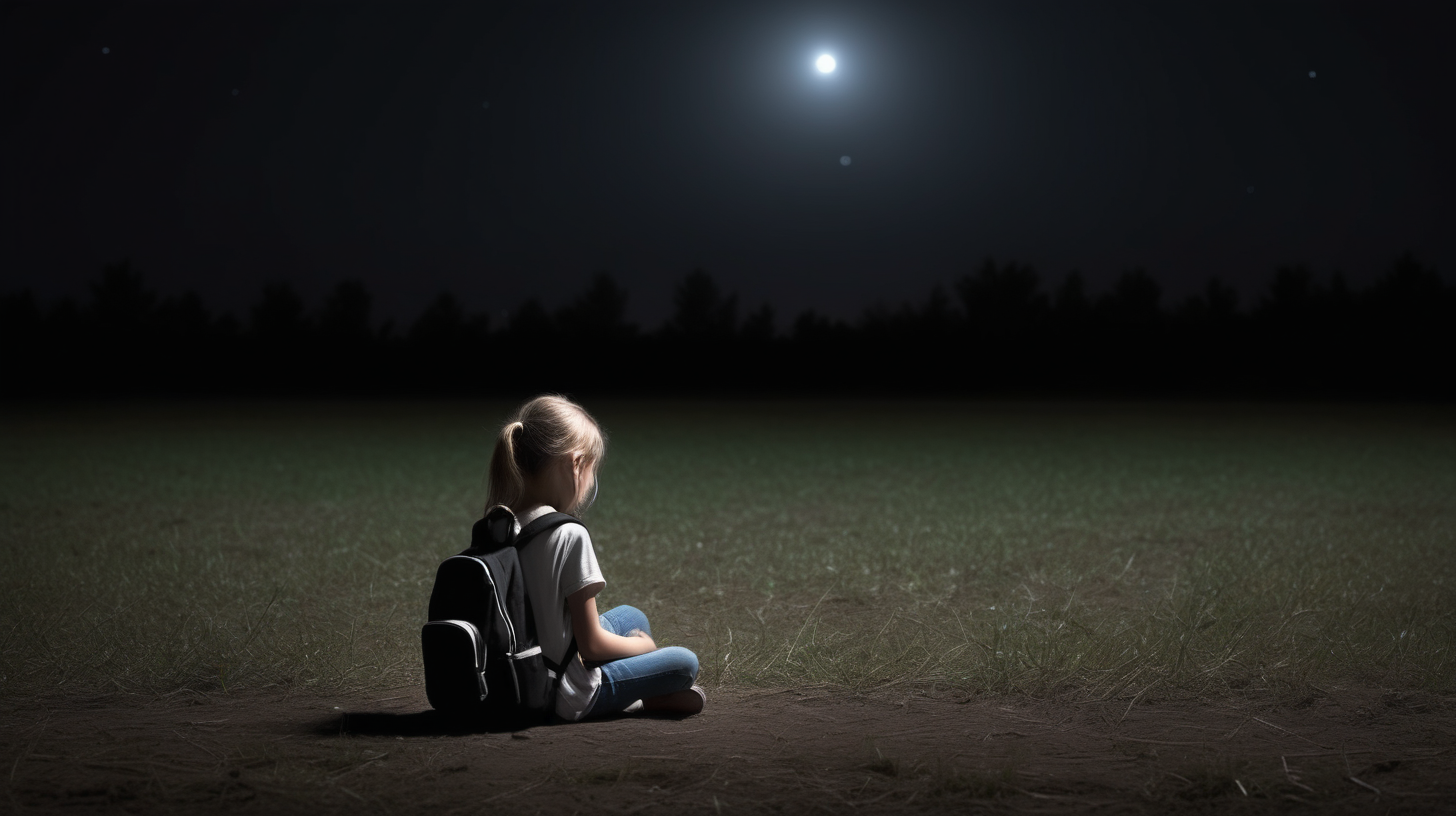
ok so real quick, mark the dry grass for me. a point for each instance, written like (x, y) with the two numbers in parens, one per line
(1089, 552)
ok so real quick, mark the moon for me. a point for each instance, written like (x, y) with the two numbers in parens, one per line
(825, 64)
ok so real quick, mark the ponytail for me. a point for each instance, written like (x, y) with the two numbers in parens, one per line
(543, 428)
(507, 482)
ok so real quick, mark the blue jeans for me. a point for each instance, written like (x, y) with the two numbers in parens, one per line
(629, 679)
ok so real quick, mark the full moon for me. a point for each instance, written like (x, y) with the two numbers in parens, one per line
(825, 64)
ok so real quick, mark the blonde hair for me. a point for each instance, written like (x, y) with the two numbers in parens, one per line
(545, 427)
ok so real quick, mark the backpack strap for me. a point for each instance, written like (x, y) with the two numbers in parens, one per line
(492, 532)
(530, 533)
(548, 522)
(559, 669)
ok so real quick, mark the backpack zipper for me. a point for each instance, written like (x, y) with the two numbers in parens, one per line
(510, 630)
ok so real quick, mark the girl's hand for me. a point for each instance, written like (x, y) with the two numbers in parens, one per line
(643, 635)
(593, 642)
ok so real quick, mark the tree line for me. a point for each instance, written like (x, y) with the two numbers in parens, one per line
(994, 331)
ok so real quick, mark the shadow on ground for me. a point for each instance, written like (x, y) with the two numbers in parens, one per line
(432, 723)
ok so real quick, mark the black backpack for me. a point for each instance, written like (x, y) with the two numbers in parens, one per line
(482, 658)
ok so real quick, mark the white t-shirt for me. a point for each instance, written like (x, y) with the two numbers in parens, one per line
(557, 565)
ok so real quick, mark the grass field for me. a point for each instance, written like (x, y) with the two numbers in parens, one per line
(1078, 551)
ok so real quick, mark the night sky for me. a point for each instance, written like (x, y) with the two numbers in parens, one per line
(505, 151)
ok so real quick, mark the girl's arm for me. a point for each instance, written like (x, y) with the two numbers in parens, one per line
(592, 641)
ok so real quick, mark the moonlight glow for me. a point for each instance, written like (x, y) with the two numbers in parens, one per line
(825, 64)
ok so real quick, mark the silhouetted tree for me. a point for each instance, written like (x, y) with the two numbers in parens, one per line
(344, 320)
(279, 316)
(1132, 353)
(1284, 312)
(22, 343)
(1071, 342)
(279, 341)
(227, 326)
(121, 306)
(1222, 300)
(118, 329)
(1217, 304)
(933, 320)
(20, 316)
(440, 325)
(1296, 343)
(828, 353)
(477, 327)
(184, 319)
(189, 356)
(64, 318)
(1304, 336)
(1072, 306)
(1006, 314)
(1001, 302)
(1339, 318)
(813, 328)
(598, 313)
(1412, 325)
(444, 349)
(937, 318)
(758, 326)
(1133, 301)
(700, 311)
(1409, 293)
(1206, 339)
(1341, 299)
(531, 322)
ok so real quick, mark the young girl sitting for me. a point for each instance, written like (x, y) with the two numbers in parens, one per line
(545, 458)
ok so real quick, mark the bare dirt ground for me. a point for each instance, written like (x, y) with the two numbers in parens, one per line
(794, 751)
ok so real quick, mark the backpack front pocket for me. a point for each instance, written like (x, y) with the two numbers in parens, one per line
(453, 654)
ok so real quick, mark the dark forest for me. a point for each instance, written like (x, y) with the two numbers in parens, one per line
(996, 331)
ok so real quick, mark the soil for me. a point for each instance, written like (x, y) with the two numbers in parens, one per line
(795, 750)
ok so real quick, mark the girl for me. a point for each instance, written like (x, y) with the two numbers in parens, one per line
(546, 457)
